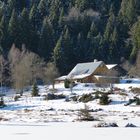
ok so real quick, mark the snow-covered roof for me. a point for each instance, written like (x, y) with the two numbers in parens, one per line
(62, 78)
(84, 69)
(110, 66)
(80, 76)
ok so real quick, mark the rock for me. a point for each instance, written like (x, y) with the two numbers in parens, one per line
(130, 125)
(103, 124)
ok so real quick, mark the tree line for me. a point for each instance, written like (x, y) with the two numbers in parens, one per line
(68, 32)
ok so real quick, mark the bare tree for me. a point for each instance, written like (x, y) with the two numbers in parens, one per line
(26, 70)
(51, 73)
(75, 14)
(3, 72)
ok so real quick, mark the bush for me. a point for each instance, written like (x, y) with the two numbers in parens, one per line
(75, 98)
(35, 90)
(54, 97)
(99, 92)
(96, 96)
(67, 83)
(104, 99)
(104, 124)
(86, 98)
(2, 102)
(135, 90)
(84, 114)
(130, 125)
(135, 100)
(17, 97)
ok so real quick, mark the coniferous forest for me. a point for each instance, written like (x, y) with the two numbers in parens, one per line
(68, 32)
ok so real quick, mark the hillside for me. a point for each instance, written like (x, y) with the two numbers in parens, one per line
(69, 32)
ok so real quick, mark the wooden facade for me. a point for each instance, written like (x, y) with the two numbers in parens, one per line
(101, 71)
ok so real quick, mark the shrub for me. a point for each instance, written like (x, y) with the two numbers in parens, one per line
(35, 90)
(61, 96)
(67, 83)
(96, 96)
(17, 97)
(99, 92)
(54, 97)
(104, 124)
(86, 98)
(135, 90)
(84, 114)
(49, 96)
(137, 101)
(2, 104)
(74, 98)
(104, 99)
(130, 125)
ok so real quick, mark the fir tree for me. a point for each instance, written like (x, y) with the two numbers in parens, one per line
(128, 11)
(46, 40)
(24, 27)
(42, 7)
(34, 22)
(13, 28)
(35, 90)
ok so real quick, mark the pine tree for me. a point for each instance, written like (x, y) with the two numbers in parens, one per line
(93, 31)
(13, 28)
(114, 50)
(33, 16)
(64, 53)
(24, 27)
(135, 36)
(4, 32)
(128, 11)
(58, 56)
(35, 90)
(68, 50)
(34, 22)
(83, 4)
(11, 5)
(61, 17)
(42, 7)
(54, 13)
(80, 48)
(109, 27)
(46, 40)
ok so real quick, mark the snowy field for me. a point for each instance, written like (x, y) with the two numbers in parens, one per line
(33, 117)
(67, 131)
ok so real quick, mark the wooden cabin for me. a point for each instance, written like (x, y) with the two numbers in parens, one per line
(91, 72)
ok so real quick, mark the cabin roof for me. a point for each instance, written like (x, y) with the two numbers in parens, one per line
(110, 66)
(84, 69)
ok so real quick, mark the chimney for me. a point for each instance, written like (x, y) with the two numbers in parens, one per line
(95, 60)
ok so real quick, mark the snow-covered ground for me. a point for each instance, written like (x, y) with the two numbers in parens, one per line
(33, 116)
(67, 131)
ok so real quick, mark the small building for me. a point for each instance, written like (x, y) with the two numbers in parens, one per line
(91, 72)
